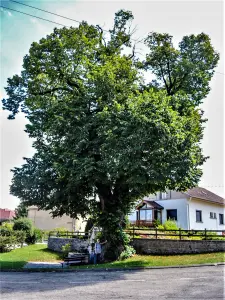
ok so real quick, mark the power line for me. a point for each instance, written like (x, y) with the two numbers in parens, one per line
(47, 20)
(33, 16)
(45, 11)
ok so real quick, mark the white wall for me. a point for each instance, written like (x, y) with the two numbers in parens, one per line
(206, 208)
(182, 212)
(43, 220)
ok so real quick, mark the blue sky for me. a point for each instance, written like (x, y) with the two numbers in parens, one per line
(178, 18)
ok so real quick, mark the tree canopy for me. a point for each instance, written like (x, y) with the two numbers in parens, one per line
(104, 137)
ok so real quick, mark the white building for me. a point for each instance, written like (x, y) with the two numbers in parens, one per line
(42, 219)
(197, 209)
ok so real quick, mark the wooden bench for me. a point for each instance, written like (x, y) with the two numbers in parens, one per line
(75, 259)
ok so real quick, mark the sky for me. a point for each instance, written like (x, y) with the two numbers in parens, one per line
(178, 18)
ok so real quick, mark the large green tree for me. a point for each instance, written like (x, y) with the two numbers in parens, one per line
(104, 137)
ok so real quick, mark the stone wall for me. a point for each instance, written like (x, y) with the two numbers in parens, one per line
(150, 246)
(78, 245)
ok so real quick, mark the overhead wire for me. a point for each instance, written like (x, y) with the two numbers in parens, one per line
(49, 12)
(33, 16)
(47, 20)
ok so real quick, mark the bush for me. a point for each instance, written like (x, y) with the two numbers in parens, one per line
(128, 252)
(9, 239)
(160, 227)
(25, 225)
(35, 237)
(170, 225)
(4, 231)
(7, 225)
(60, 229)
(66, 249)
(156, 223)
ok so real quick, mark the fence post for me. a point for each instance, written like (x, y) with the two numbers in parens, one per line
(67, 234)
(133, 231)
(205, 234)
(156, 232)
(180, 233)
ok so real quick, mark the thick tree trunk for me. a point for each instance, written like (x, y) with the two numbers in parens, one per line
(111, 219)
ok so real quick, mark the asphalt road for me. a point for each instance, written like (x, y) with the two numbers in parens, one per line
(202, 283)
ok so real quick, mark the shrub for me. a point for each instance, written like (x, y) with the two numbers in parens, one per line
(127, 252)
(35, 237)
(4, 231)
(66, 249)
(156, 223)
(26, 225)
(170, 225)
(60, 229)
(7, 225)
(9, 239)
(160, 227)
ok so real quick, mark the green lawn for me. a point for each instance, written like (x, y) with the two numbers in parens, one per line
(17, 258)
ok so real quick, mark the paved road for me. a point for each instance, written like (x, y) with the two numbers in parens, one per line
(202, 283)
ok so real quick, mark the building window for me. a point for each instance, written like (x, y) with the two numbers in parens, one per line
(172, 214)
(212, 215)
(221, 219)
(198, 216)
(165, 195)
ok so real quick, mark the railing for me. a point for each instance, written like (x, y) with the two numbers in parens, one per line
(136, 232)
(180, 234)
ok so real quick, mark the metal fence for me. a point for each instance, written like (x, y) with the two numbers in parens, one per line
(181, 234)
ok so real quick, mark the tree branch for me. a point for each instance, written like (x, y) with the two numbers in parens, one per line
(52, 91)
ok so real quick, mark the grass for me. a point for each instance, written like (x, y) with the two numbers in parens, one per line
(161, 260)
(17, 258)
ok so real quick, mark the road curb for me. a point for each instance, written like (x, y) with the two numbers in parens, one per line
(111, 269)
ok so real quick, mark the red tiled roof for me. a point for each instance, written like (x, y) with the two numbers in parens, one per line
(6, 214)
(204, 194)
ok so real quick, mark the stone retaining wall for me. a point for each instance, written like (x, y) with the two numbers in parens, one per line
(55, 244)
(150, 246)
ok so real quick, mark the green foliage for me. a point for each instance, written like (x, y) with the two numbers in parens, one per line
(160, 227)
(126, 223)
(100, 129)
(21, 211)
(26, 225)
(156, 223)
(66, 249)
(170, 225)
(60, 229)
(127, 252)
(7, 225)
(35, 237)
(10, 238)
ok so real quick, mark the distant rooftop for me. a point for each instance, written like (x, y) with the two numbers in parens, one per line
(6, 214)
